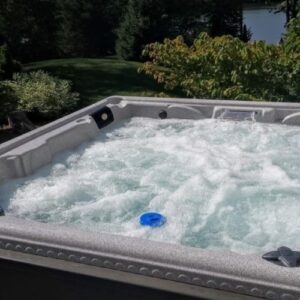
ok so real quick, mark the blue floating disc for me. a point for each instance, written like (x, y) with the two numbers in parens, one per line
(152, 219)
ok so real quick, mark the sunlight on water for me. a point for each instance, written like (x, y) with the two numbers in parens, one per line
(221, 184)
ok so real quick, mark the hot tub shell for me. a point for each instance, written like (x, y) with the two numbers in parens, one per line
(185, 270)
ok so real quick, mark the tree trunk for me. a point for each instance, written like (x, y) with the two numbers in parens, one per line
(288, 11)
(294, 10)
(19, 122)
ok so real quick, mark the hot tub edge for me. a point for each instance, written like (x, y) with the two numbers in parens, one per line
(241, 274)
(226, 271)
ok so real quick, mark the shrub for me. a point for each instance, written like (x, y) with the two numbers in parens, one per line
(225, 67)
(38, 91)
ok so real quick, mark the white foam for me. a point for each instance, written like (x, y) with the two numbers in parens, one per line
(221, 184)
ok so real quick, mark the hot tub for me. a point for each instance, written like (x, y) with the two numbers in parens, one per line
(223, 173)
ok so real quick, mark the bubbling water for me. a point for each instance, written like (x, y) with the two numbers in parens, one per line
(221, 184)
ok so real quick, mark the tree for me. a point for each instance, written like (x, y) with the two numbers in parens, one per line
(7, 65)
(29, 28)
(147, 21)
(1, 30)
(290, 7)
(87, 27)
(225, 17)
(131, 34)
(246, 34)
(43, 29)
(114, 12)
(72, 17)
(186, 19)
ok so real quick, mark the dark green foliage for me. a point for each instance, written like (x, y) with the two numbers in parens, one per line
(186, 19)
(42, 29)
(225, 17)
(246, 34)
(1, 29)
(132, 31)
(87, 26)
(146, 21)
(29, 28)
(72, 17)
(113, 12)
(290, 8)
(8, 102)
(7, 65)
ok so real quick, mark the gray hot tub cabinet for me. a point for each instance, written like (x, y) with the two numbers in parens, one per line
(182, 270)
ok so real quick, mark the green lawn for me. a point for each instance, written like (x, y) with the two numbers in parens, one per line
(96, 79)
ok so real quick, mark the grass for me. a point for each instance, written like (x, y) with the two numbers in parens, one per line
(96, 79)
